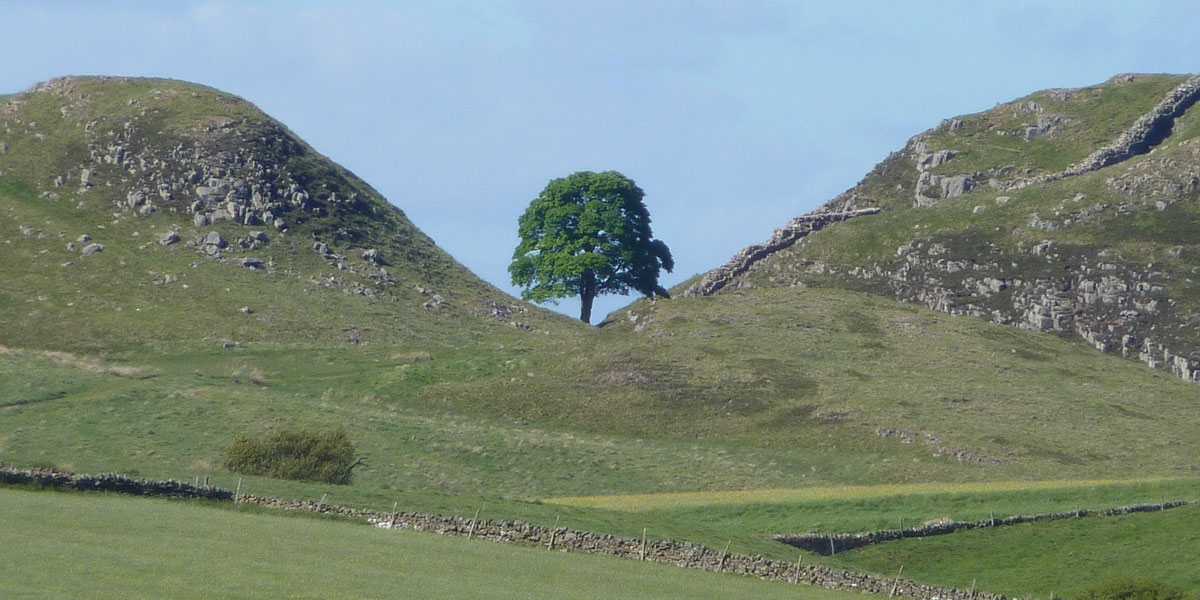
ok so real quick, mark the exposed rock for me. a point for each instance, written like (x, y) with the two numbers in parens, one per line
(956, 186)
(373, 255)
(200, 220)
(92, 249)
(168, 238)
(253, 263)
(214, 239)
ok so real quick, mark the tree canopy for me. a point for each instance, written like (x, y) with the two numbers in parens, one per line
(588, 234)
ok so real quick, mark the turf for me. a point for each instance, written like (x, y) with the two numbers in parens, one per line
(1061, 557)
(67, 545)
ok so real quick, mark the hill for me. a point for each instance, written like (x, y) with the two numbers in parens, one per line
(180, 269)
(155, 213)
(1070, 211)
(247, 284)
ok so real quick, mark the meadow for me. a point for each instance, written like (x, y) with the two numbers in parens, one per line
(102, 546)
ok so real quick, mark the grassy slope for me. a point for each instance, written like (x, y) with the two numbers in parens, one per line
(60, 545)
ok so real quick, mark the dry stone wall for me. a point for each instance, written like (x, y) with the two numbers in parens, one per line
(783, 238)
(1148, 131)
(827, 544)
(111, 483)
(687, 555)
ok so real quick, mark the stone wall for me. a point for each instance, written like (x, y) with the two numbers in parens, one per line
(827, 544)
(1145, 133)
(783, 238)
(111, 483)
(687, 555)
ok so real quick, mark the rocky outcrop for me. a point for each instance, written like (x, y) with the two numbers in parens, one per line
(783, 238)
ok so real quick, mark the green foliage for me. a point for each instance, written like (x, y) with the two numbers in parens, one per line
(301, 455)
(1130, 588)
(588, 234)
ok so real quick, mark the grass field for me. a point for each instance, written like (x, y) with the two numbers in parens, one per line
(640, 502)
(102, 546)
(1059, 557)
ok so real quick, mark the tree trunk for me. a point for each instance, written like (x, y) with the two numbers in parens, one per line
(586, 295)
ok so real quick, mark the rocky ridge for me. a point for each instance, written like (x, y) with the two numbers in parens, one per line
(191, 161)
(1053, 284)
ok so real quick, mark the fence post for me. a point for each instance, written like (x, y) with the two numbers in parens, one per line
(796, 575)
(471, 531)
(896, 583)
(643, 543)
(721, 564)
(238, 493)
(553, 533)
(395, 506)
(832, 550)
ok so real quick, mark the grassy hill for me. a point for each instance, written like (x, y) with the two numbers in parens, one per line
(322, 306)
(1068, 211)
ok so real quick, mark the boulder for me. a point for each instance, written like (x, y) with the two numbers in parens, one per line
(168, 238)
(92, 249)
(214, 239)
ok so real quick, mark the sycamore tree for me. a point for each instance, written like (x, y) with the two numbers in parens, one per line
(588, 234)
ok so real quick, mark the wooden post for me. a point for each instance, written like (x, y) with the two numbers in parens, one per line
(553, 533)
(238, 493)
(643, 543)
(395, 506)
(321, 504)
(896, 583)
(471, 531)
(993, 518)
(197, 484)
(832, 550)
(972, 587)
(901, 527)
(796, 575)
(206, 481)
(721, 563)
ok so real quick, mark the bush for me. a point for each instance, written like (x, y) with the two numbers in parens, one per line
(301, 455)
(1128, 588)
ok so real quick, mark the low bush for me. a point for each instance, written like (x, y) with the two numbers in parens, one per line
(1129, 588)
(301, 455)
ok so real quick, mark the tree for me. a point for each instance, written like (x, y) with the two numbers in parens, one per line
(588, 234)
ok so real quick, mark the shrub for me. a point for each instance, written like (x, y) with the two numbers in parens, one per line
(302, 455)
(1129, 588)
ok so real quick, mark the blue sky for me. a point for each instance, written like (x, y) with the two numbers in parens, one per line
(734, 116)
